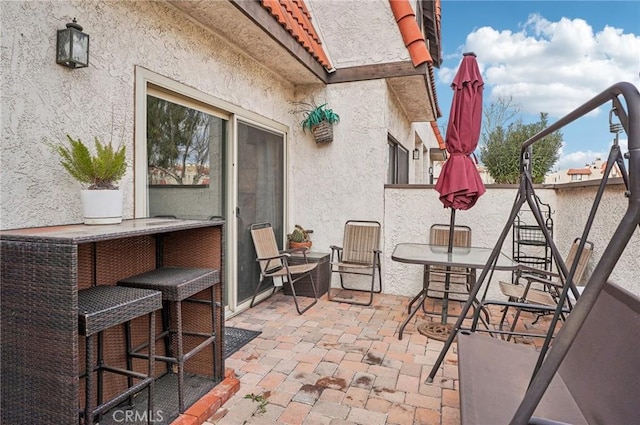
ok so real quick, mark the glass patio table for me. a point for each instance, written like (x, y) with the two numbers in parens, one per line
(437, 255)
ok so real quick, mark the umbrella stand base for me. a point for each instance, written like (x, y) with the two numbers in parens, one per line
(435, 330)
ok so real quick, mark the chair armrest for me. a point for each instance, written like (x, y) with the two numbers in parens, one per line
(541, 279)
(528, 306)
(538, 279)
(282, 255)
(273, 269)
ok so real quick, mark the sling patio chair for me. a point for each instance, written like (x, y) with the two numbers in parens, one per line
(359, 255)
(275, 264)
(460, 278)
(544, 287)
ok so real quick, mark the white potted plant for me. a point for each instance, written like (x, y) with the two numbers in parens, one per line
(102, 200)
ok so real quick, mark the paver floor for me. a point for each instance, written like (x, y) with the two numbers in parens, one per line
(339, 364)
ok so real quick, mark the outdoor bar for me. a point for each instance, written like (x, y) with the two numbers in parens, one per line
(42, 350)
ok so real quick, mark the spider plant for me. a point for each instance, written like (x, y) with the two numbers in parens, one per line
(318, 114)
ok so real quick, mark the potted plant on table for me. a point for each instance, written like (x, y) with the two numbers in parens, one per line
(319, 120)
(299, 238)
(102, 200)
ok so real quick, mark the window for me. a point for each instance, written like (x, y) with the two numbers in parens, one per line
(576, 177)
(398, 171)
(185, 150)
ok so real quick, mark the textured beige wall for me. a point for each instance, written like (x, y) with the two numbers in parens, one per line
(334, 182)
(348, 41)
(43, 101)
(409, 213)
(573, 208)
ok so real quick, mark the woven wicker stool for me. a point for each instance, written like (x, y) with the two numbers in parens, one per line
(100, 308)
(178, 285)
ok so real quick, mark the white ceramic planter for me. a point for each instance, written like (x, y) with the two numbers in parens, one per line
(101, 206)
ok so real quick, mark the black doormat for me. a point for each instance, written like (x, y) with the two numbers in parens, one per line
(236, 338)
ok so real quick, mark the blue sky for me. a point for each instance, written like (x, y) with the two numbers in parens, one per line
(547, 56)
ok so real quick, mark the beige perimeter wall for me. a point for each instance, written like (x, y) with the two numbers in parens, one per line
(410, 212)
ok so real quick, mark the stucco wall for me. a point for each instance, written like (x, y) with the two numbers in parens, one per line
(334, 182)
(410, 212)
(350, 44)
(43, 101)
(573, 207)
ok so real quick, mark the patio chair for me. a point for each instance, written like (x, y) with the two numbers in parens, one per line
(275, 264)
(460, 278)
(360, 255)
(544, 287)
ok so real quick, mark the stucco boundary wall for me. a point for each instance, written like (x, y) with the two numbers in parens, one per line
(410, 211)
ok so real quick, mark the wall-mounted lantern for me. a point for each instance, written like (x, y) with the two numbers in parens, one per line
(72, 46)
(416, 153)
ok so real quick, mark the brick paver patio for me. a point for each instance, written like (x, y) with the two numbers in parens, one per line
(340, 364)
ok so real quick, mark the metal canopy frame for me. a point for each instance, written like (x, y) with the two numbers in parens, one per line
(550, 359)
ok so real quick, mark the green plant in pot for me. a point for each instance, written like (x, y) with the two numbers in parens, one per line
(299, 238)
(102, 200)
(319, 120)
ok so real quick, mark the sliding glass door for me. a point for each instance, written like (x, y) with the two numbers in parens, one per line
(199, 157)
(260, 198)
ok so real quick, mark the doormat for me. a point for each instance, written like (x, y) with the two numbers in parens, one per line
(236, 338)
(435, 330)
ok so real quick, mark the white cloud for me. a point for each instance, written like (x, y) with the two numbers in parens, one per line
(552, 67)
(581, 158)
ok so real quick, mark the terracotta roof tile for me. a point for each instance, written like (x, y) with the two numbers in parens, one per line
(294, 16)
(432, 80)
(436, 131)
(576, 171)
(411, 34)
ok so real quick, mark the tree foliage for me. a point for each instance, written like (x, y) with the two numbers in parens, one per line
(501, 143)
(177, 136)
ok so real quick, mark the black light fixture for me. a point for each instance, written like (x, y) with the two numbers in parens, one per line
(416, 153)
(72, 46)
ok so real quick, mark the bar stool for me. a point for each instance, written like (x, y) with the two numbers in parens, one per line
(178, 285)
(100, 308)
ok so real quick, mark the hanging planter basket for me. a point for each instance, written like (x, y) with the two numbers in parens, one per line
(323, 132)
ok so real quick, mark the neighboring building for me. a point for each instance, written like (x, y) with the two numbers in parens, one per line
(239, 68)
(485, 175)
(593, 171)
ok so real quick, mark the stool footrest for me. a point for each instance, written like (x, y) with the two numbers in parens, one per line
(108, 405)
(174, 360)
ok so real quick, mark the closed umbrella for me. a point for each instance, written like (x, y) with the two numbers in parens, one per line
(459, 183)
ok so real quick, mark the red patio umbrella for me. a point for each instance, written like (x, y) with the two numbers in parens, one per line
(459, 183)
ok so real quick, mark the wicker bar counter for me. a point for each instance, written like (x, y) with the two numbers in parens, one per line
(42, 270)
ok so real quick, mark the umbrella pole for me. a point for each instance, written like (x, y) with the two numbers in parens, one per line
(452, 223)
(447, 276)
